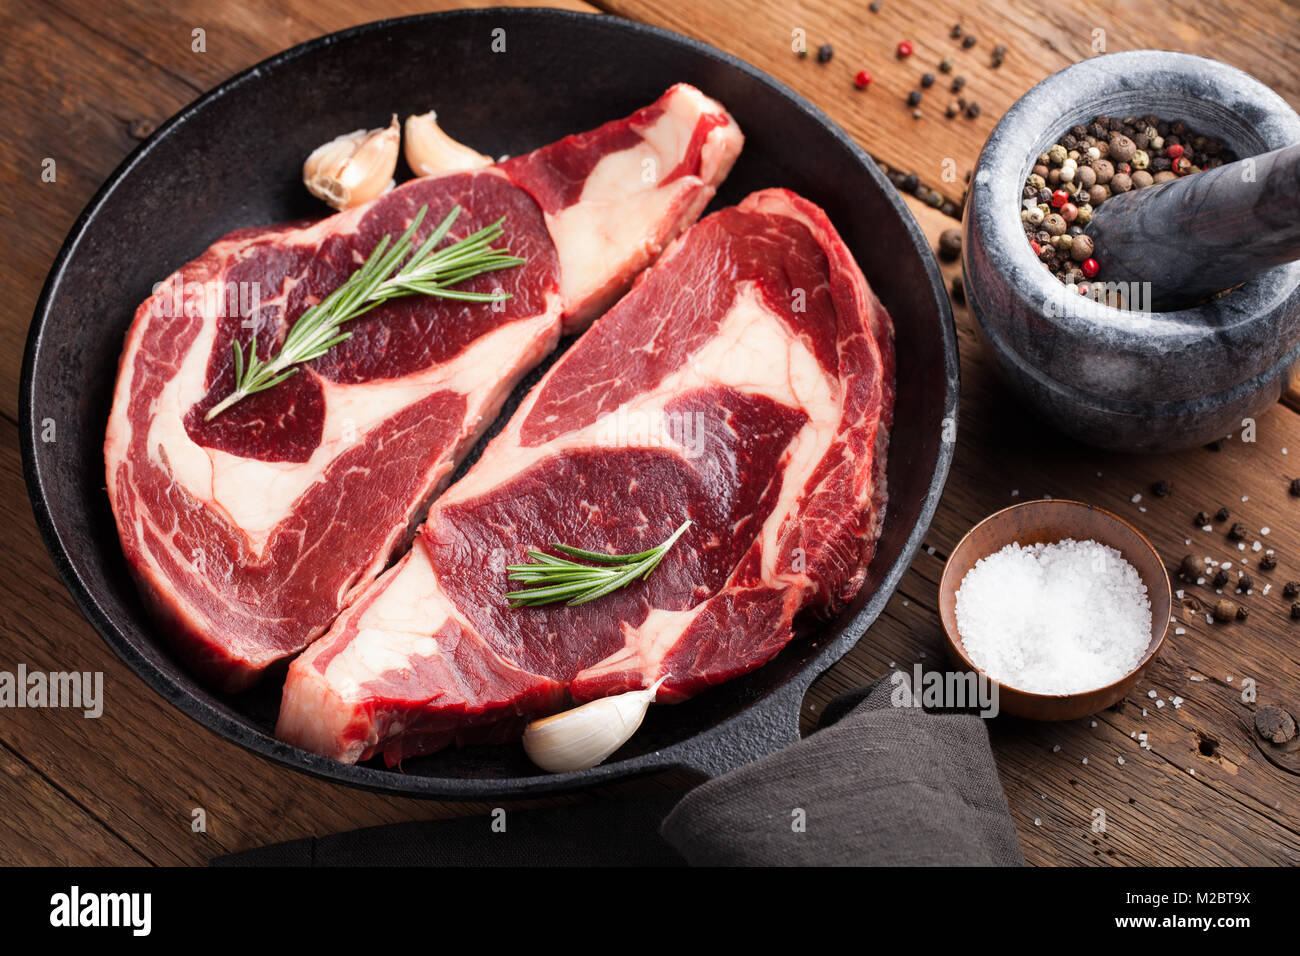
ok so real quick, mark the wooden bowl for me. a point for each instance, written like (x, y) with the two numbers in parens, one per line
(1047, 521)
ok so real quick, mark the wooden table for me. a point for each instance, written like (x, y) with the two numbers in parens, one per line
(85, 80)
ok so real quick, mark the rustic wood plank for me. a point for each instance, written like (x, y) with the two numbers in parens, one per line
(41, 826)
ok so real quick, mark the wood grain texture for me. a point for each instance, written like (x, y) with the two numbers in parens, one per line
(83, 80)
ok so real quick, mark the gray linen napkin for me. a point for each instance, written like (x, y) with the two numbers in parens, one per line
(877, 785)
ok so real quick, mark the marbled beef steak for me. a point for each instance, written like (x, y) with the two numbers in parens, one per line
(746, 383)
(249, 533)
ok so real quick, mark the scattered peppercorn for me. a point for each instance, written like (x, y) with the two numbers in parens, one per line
(946, 64)
(1237, 532)
(1245, 583)
(1216, 445)
(958, 290)
(1220, 578)
(874, 6)
(1268, 562)
(1295, 612)
(916, 113)
(956, 31)
(824, 53)
(862, 80)
(914, 98)
(1161, 489)
(957, 83)
(950, 245)
(1291, 589)
(1274, 724)
(904, 50)
(1225, 610)
(952, 110)
(1243, 612)
(968, 41)
(1201, 519)
(1223, 514)
(1295, 487)
(999, 54)
(927, 80)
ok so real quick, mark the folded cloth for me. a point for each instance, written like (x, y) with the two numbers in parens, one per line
(876, 785)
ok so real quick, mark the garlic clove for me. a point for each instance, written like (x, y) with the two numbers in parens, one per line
(354, 168)
(431, 152)
(580, 738)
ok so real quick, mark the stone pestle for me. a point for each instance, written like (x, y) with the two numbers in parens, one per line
(1200, 234)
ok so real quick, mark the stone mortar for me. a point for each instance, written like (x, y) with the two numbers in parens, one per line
(1117, 379)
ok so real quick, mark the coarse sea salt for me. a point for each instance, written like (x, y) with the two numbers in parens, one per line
(1058, 618)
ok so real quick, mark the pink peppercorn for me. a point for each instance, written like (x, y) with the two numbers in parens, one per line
(1069, 212)
(1060, 198)
(862, 80)
(1090, 267)
(904, 50)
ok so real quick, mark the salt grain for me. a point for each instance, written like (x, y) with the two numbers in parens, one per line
(1054, 618)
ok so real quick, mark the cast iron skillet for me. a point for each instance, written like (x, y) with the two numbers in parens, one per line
(233, 159)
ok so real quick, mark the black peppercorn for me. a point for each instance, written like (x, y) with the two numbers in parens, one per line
(874, 6)
(1295, 612)
(1161, 489)
(927, 80)
(910, 182)
(914, 98)
(1295, 487)
(1268, 562)
(1245, 583)
(957, 83)
(824, 53)
(1291, 589)
(1242, 613)
(1222, 514)
(973, 110)
(1237, 532)
(1201, 519)
(958, 290)
(956, 31)
(950, 245)
(968, 41)
(1220, 578)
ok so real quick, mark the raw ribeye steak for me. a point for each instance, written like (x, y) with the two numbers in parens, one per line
(247, 534)
(745, 383)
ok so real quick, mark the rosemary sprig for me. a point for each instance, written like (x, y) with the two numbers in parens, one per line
(560, 579)
(427, 272)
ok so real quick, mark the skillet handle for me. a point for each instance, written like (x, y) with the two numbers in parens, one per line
(768, 726)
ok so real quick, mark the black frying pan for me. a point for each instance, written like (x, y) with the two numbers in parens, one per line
(233, 158)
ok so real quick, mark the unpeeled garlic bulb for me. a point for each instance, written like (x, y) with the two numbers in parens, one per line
(431, 152)
(355, 167)
(580, 738)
